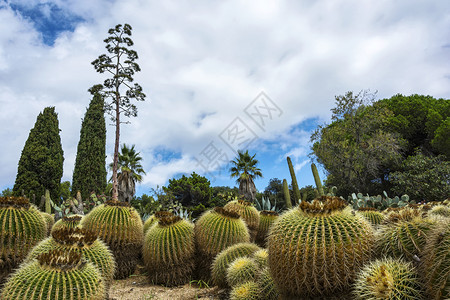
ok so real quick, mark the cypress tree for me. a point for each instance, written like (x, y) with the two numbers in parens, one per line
(41, 162)
(89, 173)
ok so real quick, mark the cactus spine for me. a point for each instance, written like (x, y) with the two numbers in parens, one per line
(67, 222)
(317, 179)
(295, 189)
(55, 275)
(266, 219)
(316, 248)
(287, 195)
(169, 250)
(372, 215)
(241, 270)
(249, 290)
(49, 221)
(121, 228)
(249, 214)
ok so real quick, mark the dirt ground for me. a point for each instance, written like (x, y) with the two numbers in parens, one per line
(137, 287)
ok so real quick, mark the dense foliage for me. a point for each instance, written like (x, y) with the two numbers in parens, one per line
(41, 162)
(244, 168)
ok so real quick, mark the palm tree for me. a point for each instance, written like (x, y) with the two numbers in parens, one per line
(245, 170)
(131, 171)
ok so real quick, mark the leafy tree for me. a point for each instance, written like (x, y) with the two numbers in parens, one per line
(131, 171)
(423, 178)
(89, 173)
(6, 192)
(121, 66)
(191, 191)
(310, 193)
(65, 190)
(41, 162)
(245, 170)
(274, 191)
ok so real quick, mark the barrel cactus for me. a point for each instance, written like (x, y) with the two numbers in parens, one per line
(261, 257)
(21, 228)
(268, 289)
(216, 230)
(153, 218)
(227, 256)
(120, 227)
(249, 290)
(436, 262)
(169, 250)
(316, 248)
(372, 215)
(56, 275)
(266, 218)
(249, 214)
(440, 211)
(242, 269)
(67, 222)
(388, 278)
(49, 221)
(82, 241)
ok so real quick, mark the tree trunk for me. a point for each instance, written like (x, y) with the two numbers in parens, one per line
(247, 189)
(115, 192)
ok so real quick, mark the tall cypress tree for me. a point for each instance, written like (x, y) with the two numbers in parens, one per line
(41, 163)
(89, 173)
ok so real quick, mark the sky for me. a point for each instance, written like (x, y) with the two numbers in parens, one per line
(219, 75)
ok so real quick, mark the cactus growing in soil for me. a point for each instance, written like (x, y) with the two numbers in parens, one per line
(21, 227)
(120, 227)
(67, 222)
(56, 275)
(242, 269)
(372, 215)
(316, 248)
(248, 213)
(216, 230)
(388, 278)
(169, 250)
(82, 241)
(266, 218)
(249, 290)
(436, 262)
(49, 221)
(226, 257)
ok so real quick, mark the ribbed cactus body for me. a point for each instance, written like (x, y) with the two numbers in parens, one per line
(249, 290)
(121, 228)
(248, 213)
(216, 230)
(436, 262)
(268, 289)
(388, 278)
(21, 228)
(261, 257)
(67, 222)
(226, 257)
(49, 221)
(169, 250)
(82, 241)
(57, 276)
(404, 239)
(440, 211)
(316, 249)
(372, 215)
(241, 270)
(266, 218)
(153, 218)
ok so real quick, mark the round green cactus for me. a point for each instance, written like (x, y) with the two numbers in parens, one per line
(248, 212)
(261, 257)
(21, 228)
(240, 270)
(268, 289)
(249, 290)
(56, 275)
(224, 258)
(266, 218)
(153, 218)
(387, 278)
(216, 230)
(121, 228)
(316, 248)
(169, 250)
(440, 211)
(82, 241)
(49, 221)
(372, 215)
(67, 222)
(436, 262)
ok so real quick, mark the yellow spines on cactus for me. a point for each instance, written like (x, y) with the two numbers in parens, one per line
(82, 241)
(241, 270)
(153, 218)
(226, 257)
(372, 215)
(268, 289)
(435, 262)
(21, 227)
(249, 290)
(49, 221)
(67, 222)
(388, 278)
(261, 257)
(440, 211)
(249, 214)
(266, 218)
(316, 248)
(169, 250)
(56, 275)
(120, 227)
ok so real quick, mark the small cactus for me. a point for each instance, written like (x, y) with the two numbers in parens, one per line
(440, 211)
(153, 218)
(67, 222)
(248, 213)
(372, 215)
(242, 269)
(261, 258)
(266, 218)
(249, 290)
(268, 289)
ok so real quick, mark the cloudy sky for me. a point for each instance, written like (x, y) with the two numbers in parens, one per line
(219, 75)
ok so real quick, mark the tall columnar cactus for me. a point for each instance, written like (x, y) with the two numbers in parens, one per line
(216, 230)
(388, 278)
(169, 250)
(266, 219)
(82, 241)
(295, 189)
(67, 222)
(48, 208)
(435, 264)
(49, 221)
(248, 213)
(226, 257)
(21, 228)
(372, 215)
(287, 195)
(317, 179)
(56, 275)
(121, 228)
(316, 248)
